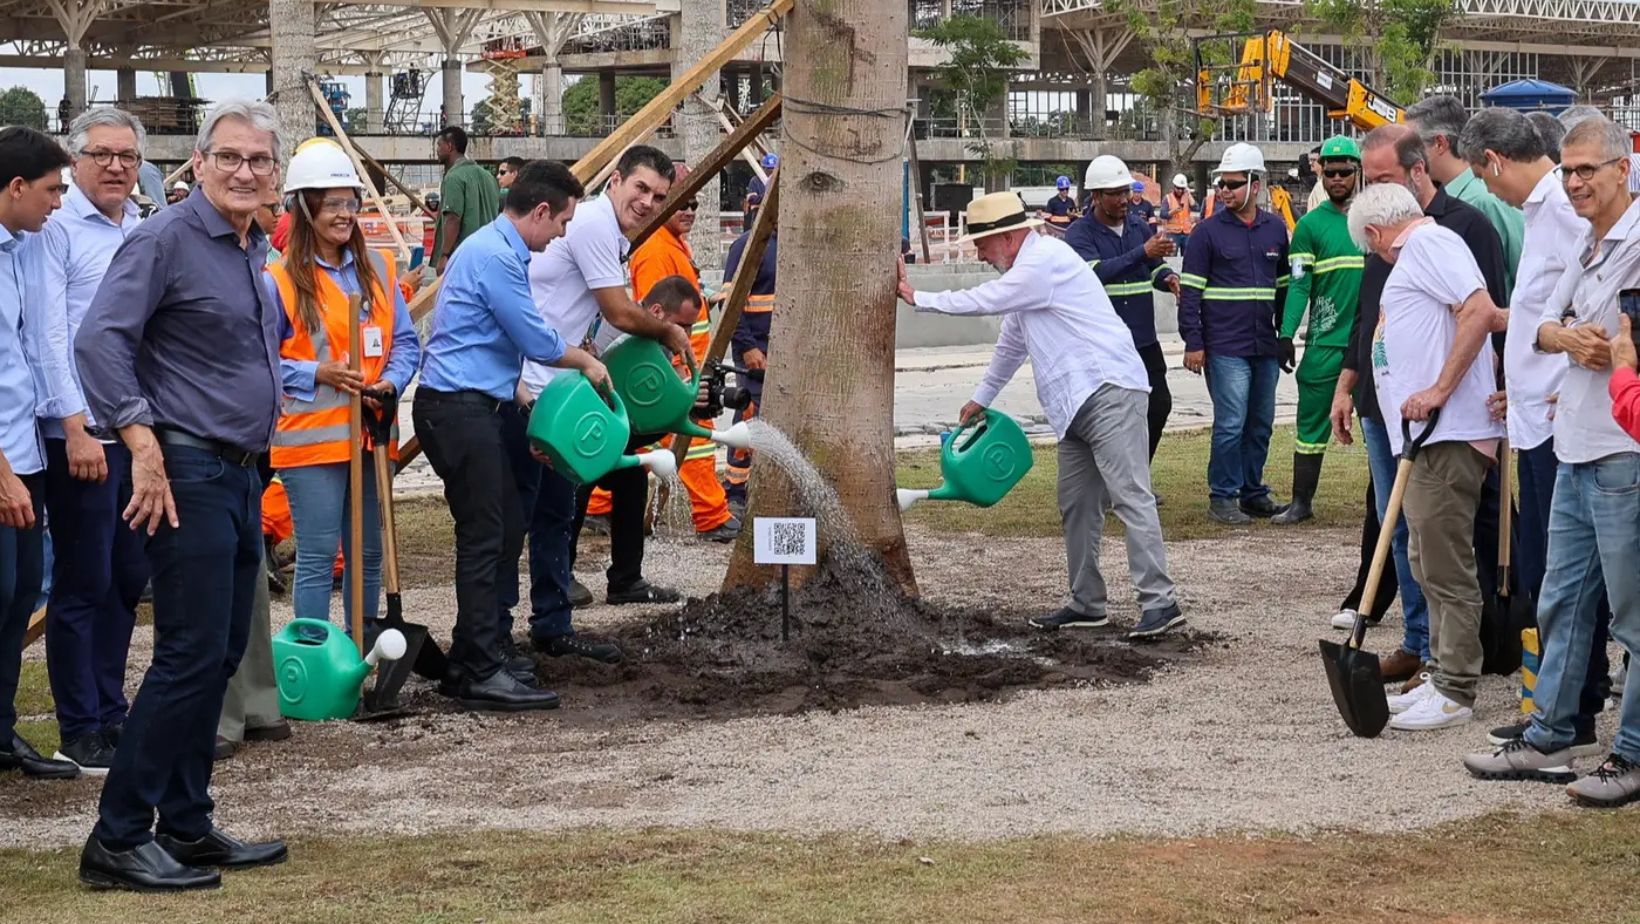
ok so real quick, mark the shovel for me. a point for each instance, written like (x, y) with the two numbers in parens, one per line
(1503, 617)
(1356, 678)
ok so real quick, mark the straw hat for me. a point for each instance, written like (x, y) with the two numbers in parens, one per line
(994, 214)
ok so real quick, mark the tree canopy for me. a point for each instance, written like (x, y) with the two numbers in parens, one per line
(22, 106)
(581, 101)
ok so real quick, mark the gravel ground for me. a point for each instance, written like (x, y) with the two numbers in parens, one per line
(1243, 737)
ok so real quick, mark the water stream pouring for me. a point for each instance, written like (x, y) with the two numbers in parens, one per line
(319, 671)
(584, 432)
(657, 399)
(980, 463)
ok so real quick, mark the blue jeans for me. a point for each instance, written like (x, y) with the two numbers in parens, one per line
(100, 569)
(1594, 529)
(205, 576)
(318, 510)
(553, 530)
(1243, 389)
(1414, 610)
(21, 567)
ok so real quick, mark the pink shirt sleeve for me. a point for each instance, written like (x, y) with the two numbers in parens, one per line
(1625, 389)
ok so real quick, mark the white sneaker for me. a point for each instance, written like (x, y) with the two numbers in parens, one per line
(1433, 711)
(1401, 702)
(1344, 620)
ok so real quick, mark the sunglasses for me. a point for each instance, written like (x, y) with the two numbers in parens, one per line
(1333, 173)
(1231, 184)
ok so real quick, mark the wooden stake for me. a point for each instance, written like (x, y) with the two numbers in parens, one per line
(390, 531)
(355, 476)
(916, 193)
(36, 627)
(358, 164)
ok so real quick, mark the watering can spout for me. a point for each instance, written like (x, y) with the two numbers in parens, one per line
(738, 436)
(908, 496)
(390, 646)
(661, 462)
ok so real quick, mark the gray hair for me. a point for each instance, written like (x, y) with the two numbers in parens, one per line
(1550, 131)
(1439, 116)
(1505, 131)
(1575, 114)
(104, 115)
(1384, 205)
(259, 115)
(1409, 148)
(1612, 139)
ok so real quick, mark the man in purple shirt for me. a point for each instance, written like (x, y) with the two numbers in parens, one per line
(178, 354)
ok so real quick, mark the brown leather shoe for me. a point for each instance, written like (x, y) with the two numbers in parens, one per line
(1417, 679)
(1399, 666)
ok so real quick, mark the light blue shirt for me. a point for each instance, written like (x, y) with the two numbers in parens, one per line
(76, 246)
(485, 323)
(19, 370)
(403, 356)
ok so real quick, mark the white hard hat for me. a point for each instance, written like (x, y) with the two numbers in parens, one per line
(1241, 157)
(321, 164)
(1107, 172)
(1181, 181)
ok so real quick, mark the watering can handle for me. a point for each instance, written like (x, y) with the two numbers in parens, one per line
(978, 419)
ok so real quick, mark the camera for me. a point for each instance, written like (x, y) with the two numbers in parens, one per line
(720, 395)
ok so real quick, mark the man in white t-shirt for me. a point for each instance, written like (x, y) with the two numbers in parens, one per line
(1431, 352)
(1094, 389)
(579, 282)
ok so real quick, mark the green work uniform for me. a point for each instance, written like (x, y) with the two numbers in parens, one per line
(1326, 282)
(472, 194)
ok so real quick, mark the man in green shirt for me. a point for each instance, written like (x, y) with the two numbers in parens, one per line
(469, 197)
(1439, 120)
(1326, 282)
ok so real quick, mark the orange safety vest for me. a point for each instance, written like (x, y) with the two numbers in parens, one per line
(316, 432)
(1179, 219)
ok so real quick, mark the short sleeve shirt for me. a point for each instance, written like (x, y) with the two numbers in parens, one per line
(591, 255)
(1417, 326)
(472, 194)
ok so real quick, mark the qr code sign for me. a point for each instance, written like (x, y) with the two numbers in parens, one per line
(783, 541)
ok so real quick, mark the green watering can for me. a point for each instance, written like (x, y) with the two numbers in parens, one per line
(319, 670)
(657, 399)
(584, 435)
(981, 462)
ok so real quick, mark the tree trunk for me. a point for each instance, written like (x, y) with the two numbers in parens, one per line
(830, 381)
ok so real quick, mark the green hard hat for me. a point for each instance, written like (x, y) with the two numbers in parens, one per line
(1339, 147)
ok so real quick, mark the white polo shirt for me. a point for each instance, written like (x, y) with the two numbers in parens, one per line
(1417, 325)
(1553, 233)
(591, 255)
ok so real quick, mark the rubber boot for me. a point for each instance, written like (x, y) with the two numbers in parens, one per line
(1306, 475)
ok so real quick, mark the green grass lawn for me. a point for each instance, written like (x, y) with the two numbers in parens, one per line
(1179, 474)
(1563, 867)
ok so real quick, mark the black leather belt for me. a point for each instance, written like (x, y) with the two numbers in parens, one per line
(233, 455)
(488, 402)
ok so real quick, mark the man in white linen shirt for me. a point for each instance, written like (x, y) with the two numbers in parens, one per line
(1092, 386)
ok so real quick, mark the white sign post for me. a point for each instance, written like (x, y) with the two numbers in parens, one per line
(784, 541)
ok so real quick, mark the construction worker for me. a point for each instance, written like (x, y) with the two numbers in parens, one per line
(1233, 286)
(325, 263)
(1139, 205)
(666, 254)
(769, 162)
(1325, 283)
(1178, 211)
(750, 347)
(1061, 209)
(1126, 253)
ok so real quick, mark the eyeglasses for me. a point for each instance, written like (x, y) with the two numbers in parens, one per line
(1231, 184)
(350, 206)
(127, 159)
(1333, 173)
(689, 206)
(230, 161)
(1586, 172)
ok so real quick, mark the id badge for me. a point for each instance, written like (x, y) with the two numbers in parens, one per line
(373, 346)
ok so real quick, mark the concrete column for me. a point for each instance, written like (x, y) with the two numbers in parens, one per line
(374, 112)
(453, 114)
(291, 23)
(125, 83)
(74, 79)
(695, 32)
(606, 93)
(550, 95)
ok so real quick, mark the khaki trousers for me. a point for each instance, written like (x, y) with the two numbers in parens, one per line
(1443, 493)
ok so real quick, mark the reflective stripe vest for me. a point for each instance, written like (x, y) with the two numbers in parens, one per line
(1179, 217)
(316, 432)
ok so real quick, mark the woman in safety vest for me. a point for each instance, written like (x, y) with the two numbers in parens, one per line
(325, 261)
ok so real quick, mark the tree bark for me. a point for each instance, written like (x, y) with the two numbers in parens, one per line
(830, 381)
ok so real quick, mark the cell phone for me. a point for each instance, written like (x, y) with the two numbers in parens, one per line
(1628, 301)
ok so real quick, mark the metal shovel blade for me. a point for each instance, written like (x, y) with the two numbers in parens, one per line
(382, 702)
(1357, 683)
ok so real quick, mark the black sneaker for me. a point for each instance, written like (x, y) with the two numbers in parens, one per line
(1261, 507)
(1067, 618)
(90, 752)
(642, 592)
(728, 532)
(579, 595)
(558, 646)
(597, 525)
(111, 734)
(1585, 744)
(1157, 622)
(1225, 511)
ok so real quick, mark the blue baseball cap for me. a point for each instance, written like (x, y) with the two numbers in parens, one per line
(770, 161)
(1138, 186)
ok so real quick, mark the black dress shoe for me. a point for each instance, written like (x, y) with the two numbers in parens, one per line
(574, 645)
(219, 848)
(579, 595)
(502, 692)
(1262, 507)
(278, 731)
(23, 757)
(147, 868)
(642, 592)
(224, 749)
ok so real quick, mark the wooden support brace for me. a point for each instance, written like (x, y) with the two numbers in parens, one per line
(358, 164)
(36, 627)
(708, 168)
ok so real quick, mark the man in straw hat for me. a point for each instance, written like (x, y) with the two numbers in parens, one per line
(1093, 387)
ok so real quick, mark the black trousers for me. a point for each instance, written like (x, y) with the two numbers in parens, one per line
(22, 567)
(1388, 586)
(628, 494)
(205, 575)
(462, 435)
(1161, 398)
